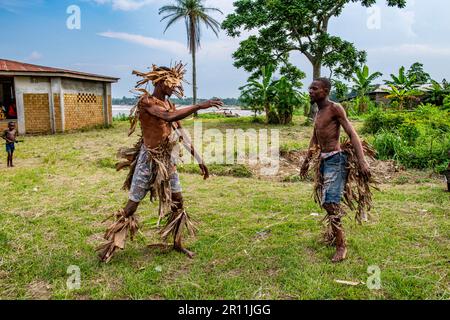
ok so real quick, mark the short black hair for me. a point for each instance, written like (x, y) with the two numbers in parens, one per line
(325, 82)
(11, 122)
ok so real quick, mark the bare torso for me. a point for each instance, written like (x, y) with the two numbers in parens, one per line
(328, 128)
(154, 129)
(11, 135)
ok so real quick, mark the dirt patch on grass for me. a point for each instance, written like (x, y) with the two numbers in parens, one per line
(384, 171)
(39, 290)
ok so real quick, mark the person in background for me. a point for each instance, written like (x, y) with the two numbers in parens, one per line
(12, 111)
(10, 136)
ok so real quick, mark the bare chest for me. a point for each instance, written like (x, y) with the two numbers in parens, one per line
(11, 134)
(326, 123)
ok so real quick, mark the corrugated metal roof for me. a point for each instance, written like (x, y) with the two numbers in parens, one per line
(14, 67)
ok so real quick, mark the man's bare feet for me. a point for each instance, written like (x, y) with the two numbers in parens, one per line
(179, 248)
(340, 255)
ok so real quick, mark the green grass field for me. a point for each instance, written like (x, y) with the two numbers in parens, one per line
(257, 238)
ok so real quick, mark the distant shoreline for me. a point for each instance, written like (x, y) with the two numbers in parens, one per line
(117, 110)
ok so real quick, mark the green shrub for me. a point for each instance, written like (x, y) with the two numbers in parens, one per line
(378, 120)
(389, 145)
(418, 139)
(446, 104)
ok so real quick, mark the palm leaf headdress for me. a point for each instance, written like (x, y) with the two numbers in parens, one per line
(172, 77)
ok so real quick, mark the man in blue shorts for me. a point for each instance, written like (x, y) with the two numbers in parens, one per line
(333, 161)
(10, 136)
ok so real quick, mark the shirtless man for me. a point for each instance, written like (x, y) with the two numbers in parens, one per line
(10, 136)
(330, 118)
(158, 116)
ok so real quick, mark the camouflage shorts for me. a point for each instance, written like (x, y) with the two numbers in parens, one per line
(142, 178)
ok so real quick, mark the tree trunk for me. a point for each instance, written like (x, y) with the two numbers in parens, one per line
(194, 66)
(317, 72)
(317, 69)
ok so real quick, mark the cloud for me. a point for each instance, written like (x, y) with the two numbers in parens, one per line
(129, 5)
(164, 45)
(35, 56)
(125, 5)
(412, 49)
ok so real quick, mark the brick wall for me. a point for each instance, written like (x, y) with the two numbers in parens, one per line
(109, 109)
(37, 113)
(82, 110)
(57, 105)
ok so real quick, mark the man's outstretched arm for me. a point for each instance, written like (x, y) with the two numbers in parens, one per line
(354, 138)
(179, 114)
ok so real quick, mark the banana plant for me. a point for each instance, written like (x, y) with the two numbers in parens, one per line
(362, 84)
(403, 97)
(437, 92)
(286, 99)
(402, 81)
(261, 92)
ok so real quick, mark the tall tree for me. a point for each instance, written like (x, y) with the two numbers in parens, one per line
(194, 14)
(416, 70)
(340, 90)
(286, 26)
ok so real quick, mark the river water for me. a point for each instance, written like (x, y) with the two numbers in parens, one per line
(119, 109)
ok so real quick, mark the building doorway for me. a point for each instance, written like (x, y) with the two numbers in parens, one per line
(8, 106)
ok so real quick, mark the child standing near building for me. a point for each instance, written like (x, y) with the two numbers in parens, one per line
(10, 136)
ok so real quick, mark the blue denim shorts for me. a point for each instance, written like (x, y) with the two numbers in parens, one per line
(10, 147)
(334, 172)
(142, 178)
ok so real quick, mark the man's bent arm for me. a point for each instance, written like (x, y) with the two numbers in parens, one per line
(312, 143)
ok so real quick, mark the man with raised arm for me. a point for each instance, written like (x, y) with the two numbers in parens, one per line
(152, 165)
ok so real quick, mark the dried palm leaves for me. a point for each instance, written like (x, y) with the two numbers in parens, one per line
(175, 221)
(116, 235)
(130, 155)
(357, 193)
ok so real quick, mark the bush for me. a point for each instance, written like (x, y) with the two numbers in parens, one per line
(419, 139)
(389, 145)
(446, 104)
(378, 120)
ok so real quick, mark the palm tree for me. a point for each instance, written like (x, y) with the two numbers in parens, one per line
(194, 13)
(362, 84)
